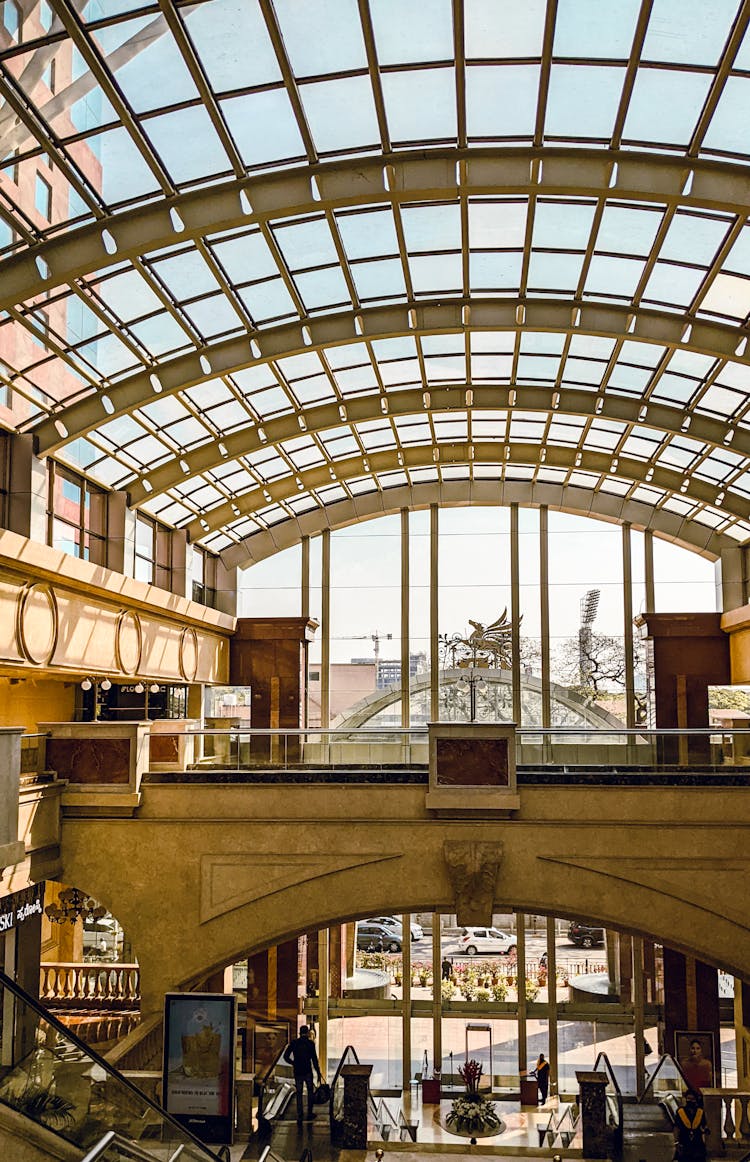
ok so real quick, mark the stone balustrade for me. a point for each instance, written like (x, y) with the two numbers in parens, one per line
(94, 986)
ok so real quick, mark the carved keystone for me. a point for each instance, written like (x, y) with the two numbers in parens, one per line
(473, 869)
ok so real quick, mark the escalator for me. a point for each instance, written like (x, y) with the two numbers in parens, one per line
(69, 1092)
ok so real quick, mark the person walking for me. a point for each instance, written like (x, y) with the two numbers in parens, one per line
(690, 1130)
(302, 1056)
(541, 1072)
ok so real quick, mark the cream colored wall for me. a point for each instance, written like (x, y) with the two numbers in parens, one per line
(207, 873)
(28, 701)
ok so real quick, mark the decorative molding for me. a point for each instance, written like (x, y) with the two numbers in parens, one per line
(36, 604)
(188, 653)
(231, 881)
(473, 870)
(128, 650)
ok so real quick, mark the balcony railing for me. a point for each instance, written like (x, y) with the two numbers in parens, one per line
(557, 751)
(94, 986)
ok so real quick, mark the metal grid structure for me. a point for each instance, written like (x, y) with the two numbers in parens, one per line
(270, 265)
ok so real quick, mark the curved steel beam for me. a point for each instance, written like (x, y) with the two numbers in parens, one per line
(430, 317)
(437, 175)
(449, 397)
(481, 452)
(453, 494)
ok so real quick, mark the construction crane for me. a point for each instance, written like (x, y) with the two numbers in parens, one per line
(376, 638)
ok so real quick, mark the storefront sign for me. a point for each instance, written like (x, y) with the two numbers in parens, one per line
(20, 906)
(199, 1061)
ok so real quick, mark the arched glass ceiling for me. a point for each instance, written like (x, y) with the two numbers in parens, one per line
(259, 259)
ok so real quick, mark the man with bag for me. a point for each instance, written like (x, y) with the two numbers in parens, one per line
(690, 1130)
(302, 1056)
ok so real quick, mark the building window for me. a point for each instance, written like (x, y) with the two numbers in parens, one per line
(43, 197)
(204, 577)
(153, 552)
(48, 77)
(45, 15)
(77, 515)
(10, 14)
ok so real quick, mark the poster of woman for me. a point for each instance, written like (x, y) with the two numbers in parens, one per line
(695, 1057)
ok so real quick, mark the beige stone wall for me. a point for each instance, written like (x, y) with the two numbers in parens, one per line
(59, 615)
(208, 873)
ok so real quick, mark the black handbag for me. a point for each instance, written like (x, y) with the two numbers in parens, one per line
(322, 1094)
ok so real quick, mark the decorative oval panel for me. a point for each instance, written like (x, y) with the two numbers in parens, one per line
(188, 653)
(128, 641)
(37, 623)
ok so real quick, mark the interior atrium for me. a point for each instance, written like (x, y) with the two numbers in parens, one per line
(374, 512)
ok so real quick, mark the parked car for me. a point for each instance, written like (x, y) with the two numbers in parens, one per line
(374, 937)
(492, 940)
(417, 932)
(585, 935)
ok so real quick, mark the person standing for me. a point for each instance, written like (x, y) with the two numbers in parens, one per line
(690, 1130)
(302, 1056)
(541, 1072)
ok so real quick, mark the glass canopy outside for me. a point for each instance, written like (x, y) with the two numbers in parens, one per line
(261, 258)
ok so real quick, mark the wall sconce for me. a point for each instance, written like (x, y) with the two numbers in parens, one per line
(86, 684)
(154, 688)
(139, 687)
(105, 684)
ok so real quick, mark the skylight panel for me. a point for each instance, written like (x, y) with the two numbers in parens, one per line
(213, 316)
(738, 259)
(428, 228)
(270, 402)
(420, 105)
(673, 284)
(555, 272)
(306, 244)
(124, 173)
(148, 452)
(323, 288)
(540, 342)
(341, 114)
(501, 102)
(314, 390)
(226, 59)
(693, 236)
(495, 272)
(491, 367)
(678, 96)
(412, 32)
(616, 277)
(160, 334)
(263, 126)
(369, 234)
(588, 28)
(674, 388)
(628, 231)
(583, 101)
(691, 32)
(543, 367)
(445, 367)
(164, 410)
(321, 36)
(152, 53)
(187, 143)
(434, 273)
(268, 300)
(728, 295)
(503, 28)
(402, 371)
(245, 257)
(497, 225)
(107, 355)
(728, 128)
(188, 432)
(583, 371)
(228, 416)
(186, 275)
(400, 347)
(562, 225)
(128, 295)
(356, 380)
(629, 379)
(721, 401)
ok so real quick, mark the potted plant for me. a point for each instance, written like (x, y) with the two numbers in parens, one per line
(472, 1113)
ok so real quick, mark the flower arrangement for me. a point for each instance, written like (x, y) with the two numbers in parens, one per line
(472, 1113)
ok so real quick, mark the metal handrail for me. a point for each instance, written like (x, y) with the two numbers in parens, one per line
(87, 1051)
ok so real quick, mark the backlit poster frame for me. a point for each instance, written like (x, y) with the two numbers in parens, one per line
(198, 1075)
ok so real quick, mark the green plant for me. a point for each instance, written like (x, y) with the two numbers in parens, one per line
(500, 989)
(41, 1106)
(468, 990)
(532, 990)
(447, 990)
(483, 994)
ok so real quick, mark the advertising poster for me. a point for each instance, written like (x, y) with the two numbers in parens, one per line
(199, 1034)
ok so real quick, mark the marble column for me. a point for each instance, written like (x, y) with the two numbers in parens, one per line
(356, 1085)
(593, 1103)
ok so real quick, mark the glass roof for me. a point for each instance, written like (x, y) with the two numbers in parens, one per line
(259, 257)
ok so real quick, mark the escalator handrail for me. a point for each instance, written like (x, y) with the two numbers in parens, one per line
(664, 1059)
(109, 1069)
(343, 1060)
(609, 1070)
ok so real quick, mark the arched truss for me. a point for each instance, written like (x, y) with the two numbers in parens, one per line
(394, 179)
(657, 260)
(587, 714)
(578, 500)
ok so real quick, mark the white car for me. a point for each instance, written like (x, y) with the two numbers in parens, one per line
(492, 940)
(395, 925)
